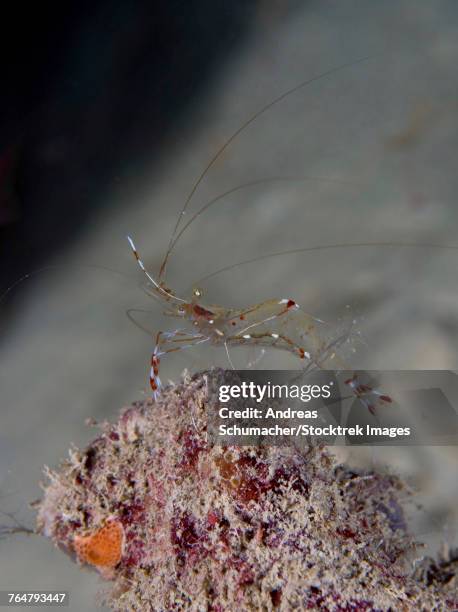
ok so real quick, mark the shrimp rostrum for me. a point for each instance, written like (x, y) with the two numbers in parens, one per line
(280, 323)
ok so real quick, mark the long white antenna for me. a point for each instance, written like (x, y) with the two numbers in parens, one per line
(148, 275)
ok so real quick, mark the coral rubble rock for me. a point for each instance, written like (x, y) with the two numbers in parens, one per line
(204, 528)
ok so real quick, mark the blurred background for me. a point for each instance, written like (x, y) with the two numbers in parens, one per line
(109, 113)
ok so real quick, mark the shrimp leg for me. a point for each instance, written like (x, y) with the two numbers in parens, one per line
(271, 339)
(281, 324)
(170, 342)
(293, 330)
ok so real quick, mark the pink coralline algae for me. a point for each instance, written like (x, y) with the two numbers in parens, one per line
(177, 523)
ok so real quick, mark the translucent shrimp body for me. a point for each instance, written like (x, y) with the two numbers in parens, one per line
(280, 324)
(276, 323)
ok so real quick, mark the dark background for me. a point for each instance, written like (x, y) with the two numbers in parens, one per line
(88, 91)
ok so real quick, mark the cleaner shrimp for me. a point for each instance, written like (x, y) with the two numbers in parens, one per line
(278, 323)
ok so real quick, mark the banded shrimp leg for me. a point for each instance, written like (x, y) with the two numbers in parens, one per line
(170, 342)
(167, 342)
(283, 325)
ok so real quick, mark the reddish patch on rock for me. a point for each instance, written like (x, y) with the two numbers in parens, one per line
(275, 597)
(346, 532)
(290, 476)
(247, 477)
(357, 606)
(212, 519)
(315, 599)
(224, 526)
(135, 550)
(193, 446)
(246, 577)
(81, 480)
(133, 514)
(245, 573)
(90, 460)
(188, 538)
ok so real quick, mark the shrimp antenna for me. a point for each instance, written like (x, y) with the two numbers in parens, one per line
(221, 150)
(130, 315)
(327, 247)
(164, 292)
(33, 273)
(273, 179)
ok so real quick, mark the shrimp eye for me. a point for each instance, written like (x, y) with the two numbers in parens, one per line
(181, 310)
(198, 292)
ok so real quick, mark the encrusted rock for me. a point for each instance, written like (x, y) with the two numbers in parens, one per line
(178, 524)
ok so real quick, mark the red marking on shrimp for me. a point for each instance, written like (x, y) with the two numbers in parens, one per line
(155, 365)
(290, 303)
(242, 317)
(202, 312)
(365, 392)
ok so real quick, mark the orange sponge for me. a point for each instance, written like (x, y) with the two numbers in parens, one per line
(103, 548)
